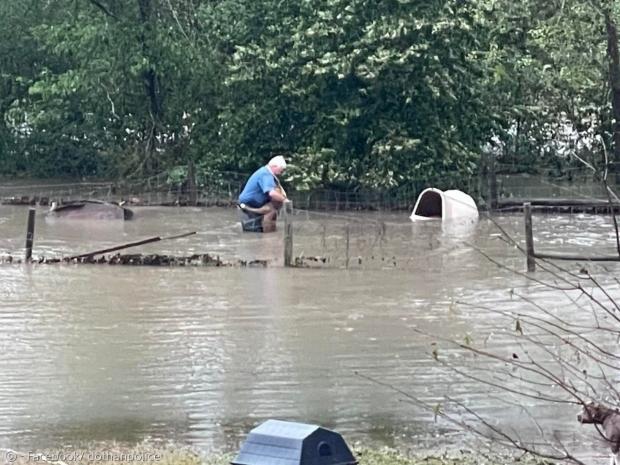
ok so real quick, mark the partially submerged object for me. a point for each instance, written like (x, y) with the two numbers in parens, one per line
(90, 210)
(444, 205)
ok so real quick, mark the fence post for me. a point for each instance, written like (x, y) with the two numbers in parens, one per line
(492, 182)
(347, 233)
(30, 234)
(288, 233)
(529, 237)
(191, 183)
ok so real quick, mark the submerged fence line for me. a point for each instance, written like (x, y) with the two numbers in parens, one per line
(334, 240)
(345, 242)
(532, 255)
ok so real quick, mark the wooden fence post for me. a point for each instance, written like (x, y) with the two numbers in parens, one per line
(492, 182)
(529, 237)
(288, 233)
(191, 183)
(347, 233)
(30, 234)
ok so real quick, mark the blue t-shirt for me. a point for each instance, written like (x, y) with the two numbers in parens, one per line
(256, 191)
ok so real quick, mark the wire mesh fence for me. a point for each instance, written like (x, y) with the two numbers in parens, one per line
(354, 240)
(380, 241)
(223, 187)
(581, 185)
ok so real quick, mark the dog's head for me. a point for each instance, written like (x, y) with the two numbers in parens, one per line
(593, 413)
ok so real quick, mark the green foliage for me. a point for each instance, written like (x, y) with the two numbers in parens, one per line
(549, 65)
(388, 92)
(357, 94)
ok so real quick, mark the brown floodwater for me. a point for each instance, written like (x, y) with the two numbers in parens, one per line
(201, 355)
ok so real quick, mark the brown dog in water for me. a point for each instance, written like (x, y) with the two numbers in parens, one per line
(610, 420)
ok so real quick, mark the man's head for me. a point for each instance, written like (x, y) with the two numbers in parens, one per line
(277, 165)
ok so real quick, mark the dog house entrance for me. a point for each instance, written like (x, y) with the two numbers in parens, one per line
(429, 205)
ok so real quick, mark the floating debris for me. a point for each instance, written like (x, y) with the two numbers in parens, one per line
(89, 209)
(135, 260)
(312, 261)
(24, 200)
(253, 263)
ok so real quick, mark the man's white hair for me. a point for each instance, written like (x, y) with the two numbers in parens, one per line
(278, 161)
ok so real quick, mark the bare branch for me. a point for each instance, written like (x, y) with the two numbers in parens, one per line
(500, 438)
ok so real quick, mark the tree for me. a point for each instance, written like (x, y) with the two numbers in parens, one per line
(361, 96)
(376, 96)
(117, 86)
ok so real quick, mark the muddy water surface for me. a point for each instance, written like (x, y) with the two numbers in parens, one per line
(200, 355)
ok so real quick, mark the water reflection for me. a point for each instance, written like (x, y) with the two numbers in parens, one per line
(459, 229)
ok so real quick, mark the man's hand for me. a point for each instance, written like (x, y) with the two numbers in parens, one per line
(277, 196)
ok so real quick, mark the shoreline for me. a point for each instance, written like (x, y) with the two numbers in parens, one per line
(170, 454)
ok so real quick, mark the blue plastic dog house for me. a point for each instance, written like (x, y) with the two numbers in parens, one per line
(276, 442)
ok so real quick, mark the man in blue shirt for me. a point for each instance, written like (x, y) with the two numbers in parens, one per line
(262, 197)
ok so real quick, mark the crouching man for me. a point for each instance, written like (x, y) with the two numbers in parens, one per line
(262, 197)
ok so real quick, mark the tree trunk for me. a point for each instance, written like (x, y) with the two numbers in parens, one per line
(151, 83)
(614, 81)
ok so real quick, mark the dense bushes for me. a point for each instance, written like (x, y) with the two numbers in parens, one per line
(357, 94)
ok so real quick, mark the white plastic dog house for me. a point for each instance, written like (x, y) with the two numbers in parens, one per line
(444, 205)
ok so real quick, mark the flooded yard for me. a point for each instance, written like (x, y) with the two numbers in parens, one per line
(201, 355)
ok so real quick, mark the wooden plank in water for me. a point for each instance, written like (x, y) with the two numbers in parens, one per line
(577, 258)
(559, 205)
(130, 244)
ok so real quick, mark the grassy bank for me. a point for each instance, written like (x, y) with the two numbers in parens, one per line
(151, 455)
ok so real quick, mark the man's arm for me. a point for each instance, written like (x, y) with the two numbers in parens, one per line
(267, 208)
(270, 186)
(277, 196)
